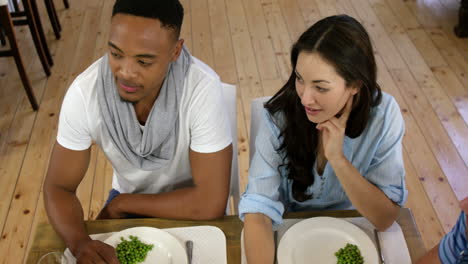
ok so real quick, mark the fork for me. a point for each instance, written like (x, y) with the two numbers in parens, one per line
(379, 248)
(189, 249)
(275, 239)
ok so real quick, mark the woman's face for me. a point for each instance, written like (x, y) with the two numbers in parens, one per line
(322, 91)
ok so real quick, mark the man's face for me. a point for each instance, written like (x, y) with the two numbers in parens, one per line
(140, 51)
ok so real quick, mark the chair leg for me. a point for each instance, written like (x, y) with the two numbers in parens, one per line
(36, 38)
(67, 5)
(53, 17)
(40, 31)
(2, 37)
(6, 21)
(15, 5)
(33, 15)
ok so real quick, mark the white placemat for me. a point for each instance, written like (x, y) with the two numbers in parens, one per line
(393, 242)
(209, 243)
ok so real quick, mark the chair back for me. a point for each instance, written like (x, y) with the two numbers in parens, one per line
(256, 107)
(230, 101)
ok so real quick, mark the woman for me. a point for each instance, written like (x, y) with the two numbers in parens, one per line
(329, 139)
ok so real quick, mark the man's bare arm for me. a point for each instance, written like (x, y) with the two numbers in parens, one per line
(66, 170)
(207, 199)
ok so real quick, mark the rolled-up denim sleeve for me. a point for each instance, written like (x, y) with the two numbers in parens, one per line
(262, 194)
(387, 170)
(455, 242)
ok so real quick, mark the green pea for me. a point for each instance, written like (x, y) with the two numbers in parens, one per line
(132, 251)
(350, 254)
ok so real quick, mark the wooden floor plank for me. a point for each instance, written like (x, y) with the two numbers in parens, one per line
(202, 46)
(435, 183)
(432, 16)
(247, 70)
(450, 141)
(186, 31)
(381, 41)
(454, 88)
(17, 122)
(327, 8)
(430, 228)
(425, 165)
(310, 12)
(346, 7)
(261, 40)
(224, 61)
(17, 117)
(438, 51)
(278, 33)
(293, 17)
(225, 66)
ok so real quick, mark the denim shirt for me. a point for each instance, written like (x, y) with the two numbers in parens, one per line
(376, 154)
(453, 248)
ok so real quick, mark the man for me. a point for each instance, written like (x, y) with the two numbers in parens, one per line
(157, 113)
(453, 248)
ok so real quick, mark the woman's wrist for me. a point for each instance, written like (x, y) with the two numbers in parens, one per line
(338, 161)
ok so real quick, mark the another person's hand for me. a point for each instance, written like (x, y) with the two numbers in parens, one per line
(464, 207)
(333, 133)
(95, 251)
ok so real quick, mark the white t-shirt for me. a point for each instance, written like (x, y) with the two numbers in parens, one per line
(203, 127)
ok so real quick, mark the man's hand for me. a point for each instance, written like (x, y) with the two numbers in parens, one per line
(95, 251)
(111, 210)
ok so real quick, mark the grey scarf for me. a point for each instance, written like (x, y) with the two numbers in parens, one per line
(153, 147)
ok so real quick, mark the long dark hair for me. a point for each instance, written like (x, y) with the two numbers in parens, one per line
(344, 43)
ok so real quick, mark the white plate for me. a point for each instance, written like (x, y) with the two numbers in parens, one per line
(167, 249)
(315, 240)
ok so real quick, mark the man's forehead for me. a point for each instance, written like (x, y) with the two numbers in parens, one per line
(134, 31)
(146, 27)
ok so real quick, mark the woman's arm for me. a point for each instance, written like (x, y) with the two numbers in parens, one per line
(369, 200)
(258, 239)
(431, 257)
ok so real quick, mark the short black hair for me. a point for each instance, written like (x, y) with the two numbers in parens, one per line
(169, 12)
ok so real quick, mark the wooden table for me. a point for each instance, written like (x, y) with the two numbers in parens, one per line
(47, 240)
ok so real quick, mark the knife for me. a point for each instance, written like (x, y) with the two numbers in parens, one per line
(379, 248)
(189, 249)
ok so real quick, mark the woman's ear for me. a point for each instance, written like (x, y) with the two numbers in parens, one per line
(356, 87)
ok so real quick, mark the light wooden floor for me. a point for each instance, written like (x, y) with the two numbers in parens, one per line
(247, 42)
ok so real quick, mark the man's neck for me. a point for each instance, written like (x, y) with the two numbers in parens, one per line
(143, 107)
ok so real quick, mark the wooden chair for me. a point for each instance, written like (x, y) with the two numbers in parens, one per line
(50, 7)
(7, 25)
(30, 17)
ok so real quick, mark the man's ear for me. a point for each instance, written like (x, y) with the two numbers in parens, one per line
(177, 49)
